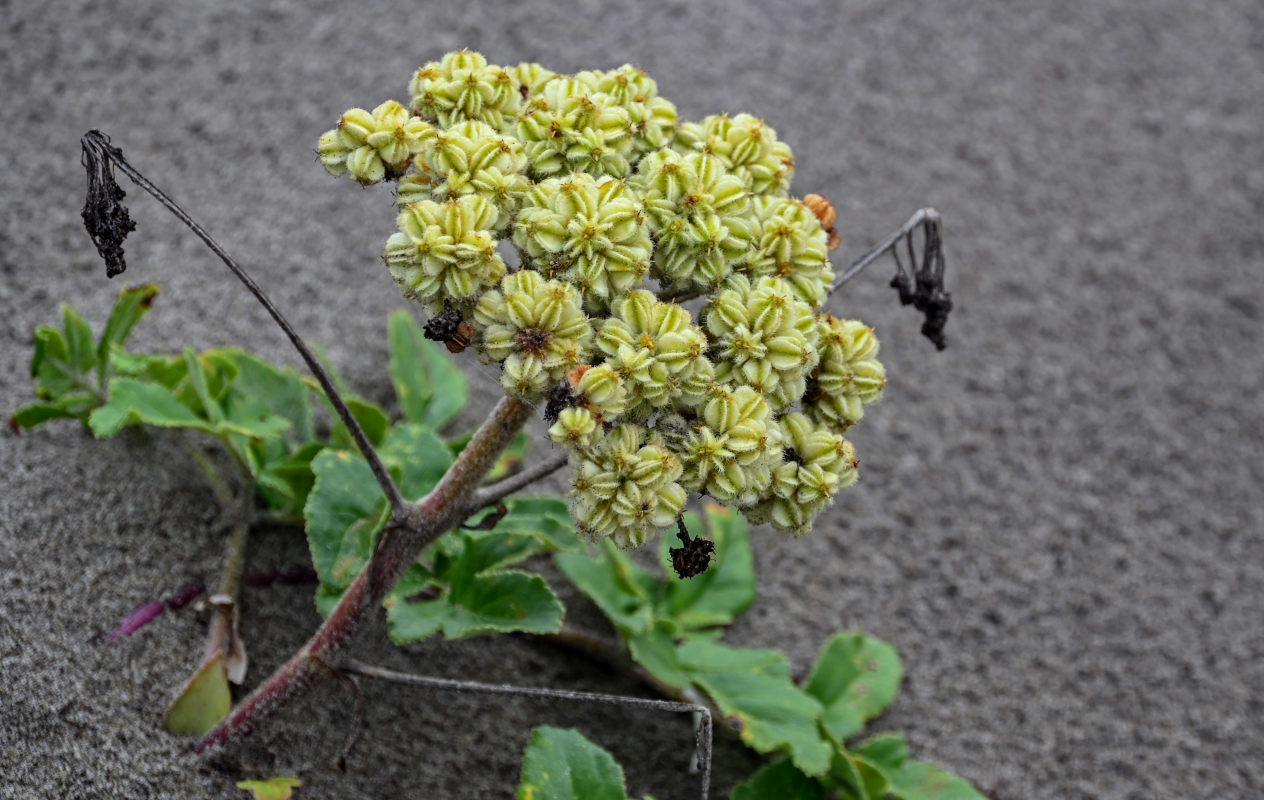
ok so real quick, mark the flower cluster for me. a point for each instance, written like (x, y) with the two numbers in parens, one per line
(620, 214)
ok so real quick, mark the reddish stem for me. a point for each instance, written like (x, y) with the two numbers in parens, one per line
(447, 505)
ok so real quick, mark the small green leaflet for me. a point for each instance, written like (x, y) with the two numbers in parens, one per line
(855, 677)
(560, 764)
(470, 592)
(279, 788)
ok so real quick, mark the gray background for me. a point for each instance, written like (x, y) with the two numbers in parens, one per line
(1056, 524)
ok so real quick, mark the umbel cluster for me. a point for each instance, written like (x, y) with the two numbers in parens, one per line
(620, 213)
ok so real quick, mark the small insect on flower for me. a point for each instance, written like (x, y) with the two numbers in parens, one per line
(694, 558)
(824, 211)
(449, 328)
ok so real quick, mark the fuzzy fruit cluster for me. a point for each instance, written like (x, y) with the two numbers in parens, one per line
(624, 218)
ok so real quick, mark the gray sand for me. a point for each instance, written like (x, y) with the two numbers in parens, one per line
(1055, 525)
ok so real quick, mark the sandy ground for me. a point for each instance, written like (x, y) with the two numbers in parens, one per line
(1055, 525)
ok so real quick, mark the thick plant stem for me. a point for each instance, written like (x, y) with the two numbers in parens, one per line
(447, 505)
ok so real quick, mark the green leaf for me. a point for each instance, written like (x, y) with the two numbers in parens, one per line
(780, 780)
(917, 780)
(28, 417)
(345, 511)
(482, 597)
(561, 764)
(431, 389)
(204, 701)
(372, 417)
(138, 402)
(622, 590)
(416, 458)
(132, 304)
(279, 788)
(61, 363)
(845, 776)
(753, 688)
(285, 483)
(655, 649)
(855, 678)
(81, 354)
(413, 388)
(727, 588)
(545, 518)
(198, 379)
(873, 779)
(256, 382)
(888, 750)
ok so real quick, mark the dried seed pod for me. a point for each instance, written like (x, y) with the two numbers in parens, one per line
(822, 208)
(824, 211)
(694, 558)
(448, 327)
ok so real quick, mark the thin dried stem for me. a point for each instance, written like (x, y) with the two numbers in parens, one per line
(924, 215)
(490, 495)
(704, 731)
(97, 151)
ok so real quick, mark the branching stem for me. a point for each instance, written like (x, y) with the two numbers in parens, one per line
(490, 495)
(928, 216)
(405, 537)
(97, 145)
(704, 733)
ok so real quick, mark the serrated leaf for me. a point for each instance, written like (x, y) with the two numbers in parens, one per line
(204, 700)
(622, 590)
(855, 678)
(752, 686)
(780, 780)
(727, 588)
(279, 788)
(917, 780)
(482, 597)
(256, 382)
(132, 304)
(546, 518)
(344, 513)
(138, 402)
(561, 764)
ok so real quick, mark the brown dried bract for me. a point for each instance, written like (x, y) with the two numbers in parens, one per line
(824, 211)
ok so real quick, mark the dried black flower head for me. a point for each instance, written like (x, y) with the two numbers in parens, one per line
(451, 329)
(560, 399)
(924, 288)
(694, 558)
(104, 214)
